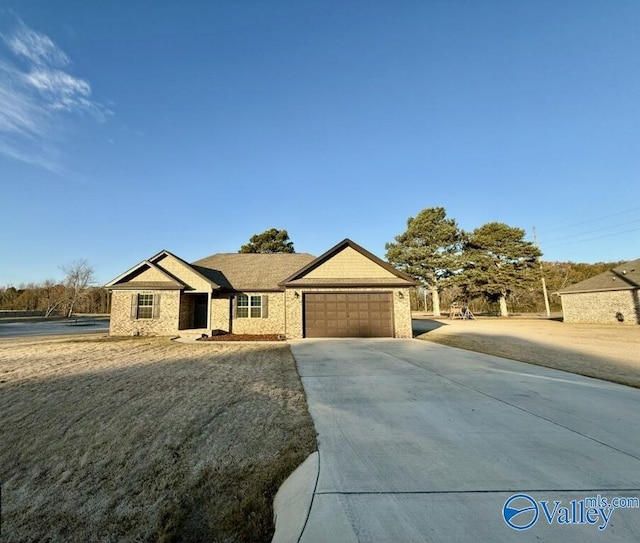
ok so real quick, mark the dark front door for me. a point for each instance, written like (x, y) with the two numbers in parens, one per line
(200, 311)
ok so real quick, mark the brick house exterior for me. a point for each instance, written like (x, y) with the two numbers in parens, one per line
(346, 292)
(610, 297)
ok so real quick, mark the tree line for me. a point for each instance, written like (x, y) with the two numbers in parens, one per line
(490, 269)
(558, 275)
(74, 294)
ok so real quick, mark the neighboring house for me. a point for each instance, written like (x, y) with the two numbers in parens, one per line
(346, 292)
(612, 296)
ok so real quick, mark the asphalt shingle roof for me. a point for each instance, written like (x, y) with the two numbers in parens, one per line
(251, 271)
(623, 277)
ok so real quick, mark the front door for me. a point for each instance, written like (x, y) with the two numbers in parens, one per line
(200, 311)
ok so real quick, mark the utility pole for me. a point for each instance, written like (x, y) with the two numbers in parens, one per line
(544, 283)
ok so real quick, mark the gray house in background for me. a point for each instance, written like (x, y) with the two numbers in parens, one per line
(611, 297)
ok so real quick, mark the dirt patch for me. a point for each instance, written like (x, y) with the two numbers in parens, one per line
(244, 337)
(144, 439)
(610, 352)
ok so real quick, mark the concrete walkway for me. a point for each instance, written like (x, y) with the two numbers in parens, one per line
(421, 442)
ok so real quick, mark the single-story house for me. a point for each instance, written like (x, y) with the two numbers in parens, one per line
(610, 297)
(346, 292)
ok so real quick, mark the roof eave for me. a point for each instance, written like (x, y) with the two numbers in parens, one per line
(131, 270)
(354, 284)
(613, 289)
(143, 287)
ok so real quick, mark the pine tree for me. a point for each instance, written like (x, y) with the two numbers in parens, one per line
(428, 250)
(497, 259)
(270, 241)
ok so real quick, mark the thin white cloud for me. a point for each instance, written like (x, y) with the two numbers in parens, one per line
(19, 114)
(38, 96)
(36, 48)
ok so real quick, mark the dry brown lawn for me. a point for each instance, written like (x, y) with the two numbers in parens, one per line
(610, 352)
(144, 439)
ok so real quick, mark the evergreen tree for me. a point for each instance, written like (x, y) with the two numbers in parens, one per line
(270, 241)
(428, 250)
(497, 260)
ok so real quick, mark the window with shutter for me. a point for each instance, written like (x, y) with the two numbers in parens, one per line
(145, 306)
(250, 307)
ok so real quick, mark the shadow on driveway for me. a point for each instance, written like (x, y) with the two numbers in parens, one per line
(421, 326)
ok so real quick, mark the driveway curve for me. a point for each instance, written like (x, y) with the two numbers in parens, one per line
(422, 442)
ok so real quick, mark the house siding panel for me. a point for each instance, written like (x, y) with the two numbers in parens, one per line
(220, 313)
(184, 274)
(149, 275)
(274, 323)
(348, 263)
(602, 307)
(123, 324)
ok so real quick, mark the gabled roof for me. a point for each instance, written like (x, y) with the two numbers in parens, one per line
(124, 280)
(250, 271)
(260, 272)
(396, 278)
(623, 277)
(166, 280)
(164, 253)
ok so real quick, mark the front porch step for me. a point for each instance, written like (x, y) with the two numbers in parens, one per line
(194, 332)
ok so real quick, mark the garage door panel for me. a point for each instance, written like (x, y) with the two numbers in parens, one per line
(361, 314)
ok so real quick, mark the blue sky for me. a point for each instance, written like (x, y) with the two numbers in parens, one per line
(131, 127)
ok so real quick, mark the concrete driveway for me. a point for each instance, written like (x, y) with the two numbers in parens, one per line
(422, 442)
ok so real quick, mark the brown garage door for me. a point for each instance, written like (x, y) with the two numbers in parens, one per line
(348, 314)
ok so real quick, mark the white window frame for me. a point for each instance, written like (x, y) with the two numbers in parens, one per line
(252, 305)
(137, 306)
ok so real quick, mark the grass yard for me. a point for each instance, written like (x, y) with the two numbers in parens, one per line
(144, 439)
(604, 351)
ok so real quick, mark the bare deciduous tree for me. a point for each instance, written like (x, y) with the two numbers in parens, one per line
(52, 296)
(79, 276)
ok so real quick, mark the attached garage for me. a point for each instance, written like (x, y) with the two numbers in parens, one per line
(345, 292)
(348, 314)
(348, 292)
